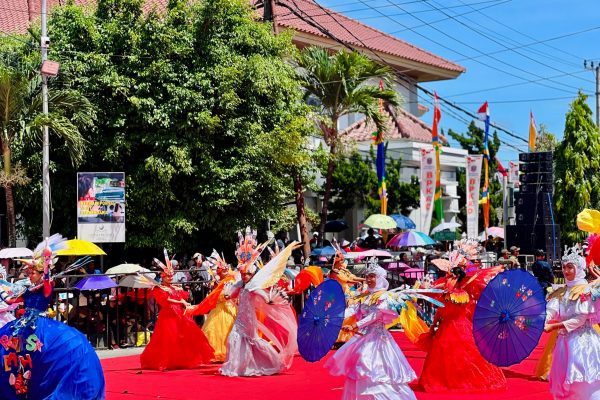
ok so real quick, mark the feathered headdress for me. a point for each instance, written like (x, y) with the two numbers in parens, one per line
(167, 267)
(217, 260)
(248, 251)
(339, 261)
(44, 252)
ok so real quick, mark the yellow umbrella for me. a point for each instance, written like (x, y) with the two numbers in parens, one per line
(78, 247)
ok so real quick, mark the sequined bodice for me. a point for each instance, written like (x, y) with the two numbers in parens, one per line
(35, 300)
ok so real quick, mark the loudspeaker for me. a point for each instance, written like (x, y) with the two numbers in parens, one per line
(532, 237)
(536, 157)
(533, 188)
(533, 208)
(543, 166)
(536, 179)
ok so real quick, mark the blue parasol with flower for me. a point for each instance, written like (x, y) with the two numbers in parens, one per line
(509, 317)
(321, 320)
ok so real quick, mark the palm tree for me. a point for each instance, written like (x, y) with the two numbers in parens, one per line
(343, 83)
(21, 119)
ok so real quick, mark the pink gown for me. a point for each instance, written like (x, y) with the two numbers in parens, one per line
(248, 354)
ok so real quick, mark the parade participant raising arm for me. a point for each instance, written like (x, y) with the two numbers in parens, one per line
(44, 358)
(248, 353)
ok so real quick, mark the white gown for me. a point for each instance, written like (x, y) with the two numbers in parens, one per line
(575, 371)
(247, 353)
(371, 361)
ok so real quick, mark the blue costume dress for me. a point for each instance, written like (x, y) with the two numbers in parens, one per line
(45, 359)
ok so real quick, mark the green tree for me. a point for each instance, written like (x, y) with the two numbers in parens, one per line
(341, 84)
(355, 183)
(473, 142)
(576, 168)
(544, 140)
(197, 105)
(21, 121)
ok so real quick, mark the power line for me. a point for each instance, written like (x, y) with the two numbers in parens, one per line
(479, 51)
(281, 17)
(487, 36)
(403, 77)
(511, 85)
(519, 32)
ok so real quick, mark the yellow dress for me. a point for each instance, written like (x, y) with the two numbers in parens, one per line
(218, 324)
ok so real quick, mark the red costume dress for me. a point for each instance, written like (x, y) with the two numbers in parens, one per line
(177, 342)
(453, 362)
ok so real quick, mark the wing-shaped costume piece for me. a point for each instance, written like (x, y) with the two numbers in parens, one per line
(272, 271)
(210, 302)
(309, 275)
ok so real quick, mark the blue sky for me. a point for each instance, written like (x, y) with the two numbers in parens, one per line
(498, 25)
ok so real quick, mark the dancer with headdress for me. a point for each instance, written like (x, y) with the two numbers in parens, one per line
(575, 371)
(249, 353)
(451, 347)
(340, 273)
(221, 309)
(177, 342)
(374, 366)
(43, 358)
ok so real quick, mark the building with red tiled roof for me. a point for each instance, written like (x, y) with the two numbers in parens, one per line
(314, 24)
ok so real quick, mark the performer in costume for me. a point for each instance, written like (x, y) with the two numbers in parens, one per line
(44, 358)
(249, 354)
(575, 371)
(177, 342)
(452, 348)
(6, 310)
(374, 366)
(221, 310)
(339, 272)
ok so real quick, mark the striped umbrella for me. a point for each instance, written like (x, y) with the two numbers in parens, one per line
(410, 238)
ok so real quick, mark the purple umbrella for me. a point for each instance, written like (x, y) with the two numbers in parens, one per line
(321, 320)
(509, 317)
(95, 282)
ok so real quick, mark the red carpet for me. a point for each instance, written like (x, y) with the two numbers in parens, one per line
(305, 381)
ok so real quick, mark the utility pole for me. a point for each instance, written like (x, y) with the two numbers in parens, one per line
(45, 42)
(595, 66)
(269, 13)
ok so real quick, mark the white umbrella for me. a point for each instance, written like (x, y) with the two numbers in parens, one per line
(126, 269)
(445, 226)
(368, 253)
(16, 252)
(145, 281)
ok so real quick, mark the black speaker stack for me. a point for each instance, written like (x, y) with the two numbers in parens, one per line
(535, 222)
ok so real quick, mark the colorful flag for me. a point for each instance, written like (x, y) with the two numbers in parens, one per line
(380, 161)
(501, 168)
(484, 114)
(435, 139)
(532, 132)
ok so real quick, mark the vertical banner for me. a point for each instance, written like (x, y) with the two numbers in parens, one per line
(435, 140)
(101, 206)
(484, 115)
(513, 173)
(427, 187)
(473, 180)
